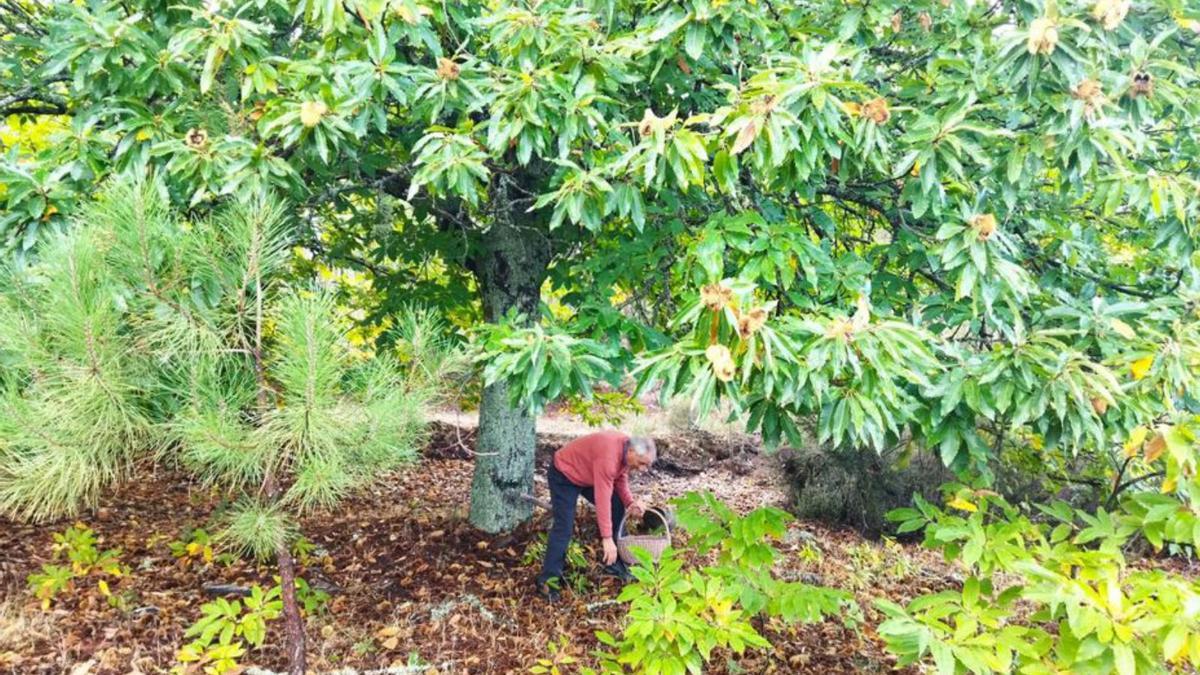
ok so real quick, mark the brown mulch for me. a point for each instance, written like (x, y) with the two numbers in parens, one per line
(409, 575)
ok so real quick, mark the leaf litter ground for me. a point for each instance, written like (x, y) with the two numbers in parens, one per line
(412, 583)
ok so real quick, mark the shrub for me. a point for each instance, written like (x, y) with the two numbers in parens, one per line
(196, 545)
(858, 487)
(76, 545)
(679, 617)
(224, 630)
(577, 561)
(1075, 605)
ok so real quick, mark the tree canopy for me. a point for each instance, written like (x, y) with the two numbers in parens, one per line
(960, 223)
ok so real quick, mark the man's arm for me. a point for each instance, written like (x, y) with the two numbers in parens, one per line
(603, 489)
(621, 486)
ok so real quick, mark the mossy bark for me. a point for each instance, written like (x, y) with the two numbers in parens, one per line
(510, 265)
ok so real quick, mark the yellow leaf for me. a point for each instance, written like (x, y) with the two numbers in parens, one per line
(962, 505)
(1140, 367)
(1169, 485)
(103, 586)
(1136, 438)
(45, 603)
(208, 554)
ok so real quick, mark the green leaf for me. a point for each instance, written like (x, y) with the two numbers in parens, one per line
(695, 40)
(1123, 659)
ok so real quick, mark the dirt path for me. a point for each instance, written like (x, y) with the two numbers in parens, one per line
(551, 425)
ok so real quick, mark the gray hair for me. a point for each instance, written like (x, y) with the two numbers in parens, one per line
(643, 446)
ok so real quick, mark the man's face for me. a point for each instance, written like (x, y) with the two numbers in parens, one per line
(638, 462)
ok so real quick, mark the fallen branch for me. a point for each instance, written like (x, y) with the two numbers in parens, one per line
(447, 608)
(537, 502)
(226, 589)
(415, 669)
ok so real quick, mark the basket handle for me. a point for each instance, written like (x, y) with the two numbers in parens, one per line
(621, 527)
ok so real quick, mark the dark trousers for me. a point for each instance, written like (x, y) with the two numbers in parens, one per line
(563, 497)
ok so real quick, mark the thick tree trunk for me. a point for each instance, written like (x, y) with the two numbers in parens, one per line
(503, 465)
(292, 621)
(510, 265)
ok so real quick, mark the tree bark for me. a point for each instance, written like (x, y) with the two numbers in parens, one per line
(510, 264)
(292, 621)
(270, 490)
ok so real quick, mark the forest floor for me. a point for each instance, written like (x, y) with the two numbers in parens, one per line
(413, 584)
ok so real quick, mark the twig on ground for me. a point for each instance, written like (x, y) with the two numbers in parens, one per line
(226, 589)
(602, 604)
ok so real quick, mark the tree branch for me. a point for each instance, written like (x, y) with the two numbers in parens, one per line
(33, 110)
(34, 92)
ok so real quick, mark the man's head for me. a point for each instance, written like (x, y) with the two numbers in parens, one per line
(642, 453)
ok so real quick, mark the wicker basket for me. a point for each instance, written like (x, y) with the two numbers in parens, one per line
(654, 544)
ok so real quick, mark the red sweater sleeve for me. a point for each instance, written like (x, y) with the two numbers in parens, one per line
(621, 485)
(603, 490)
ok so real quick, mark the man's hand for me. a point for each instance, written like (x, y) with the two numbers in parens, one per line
(637, 509)
(610, 551)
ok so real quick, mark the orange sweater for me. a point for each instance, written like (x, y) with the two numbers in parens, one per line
(598, 461)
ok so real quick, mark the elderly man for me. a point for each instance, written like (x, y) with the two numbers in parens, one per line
(596, 466)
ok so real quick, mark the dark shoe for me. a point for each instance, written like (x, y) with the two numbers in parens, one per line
(548, 592)
(618, 570)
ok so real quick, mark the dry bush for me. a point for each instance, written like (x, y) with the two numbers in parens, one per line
(858, 487)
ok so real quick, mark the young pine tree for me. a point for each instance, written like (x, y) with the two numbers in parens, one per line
(189, 338)
(73, 410)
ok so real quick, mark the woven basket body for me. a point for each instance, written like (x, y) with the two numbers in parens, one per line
(654, 544)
